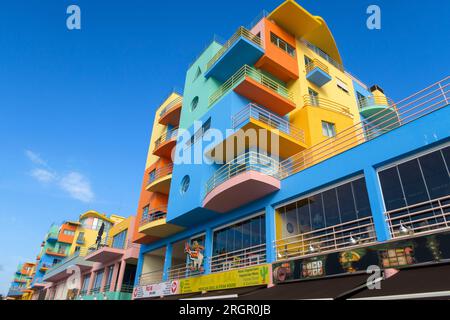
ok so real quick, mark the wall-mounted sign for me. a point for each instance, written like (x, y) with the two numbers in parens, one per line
(252, 276)
(395, 254)
(157, 290)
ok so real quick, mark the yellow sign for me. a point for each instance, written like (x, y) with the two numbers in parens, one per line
(252, 276)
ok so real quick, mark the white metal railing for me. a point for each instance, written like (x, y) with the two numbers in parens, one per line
(242, 258)
(174, 103)
(407, 110)
(419, 218)
(370, 101)
(258, 113)
(79, 253)
(167, 136)
(151, 277)
(154, 214)
(323, 54)
(241, 32)
(182, 271)
(345, 235)
(159, 173)
(315, 101)
(249, 161)
(250, 72)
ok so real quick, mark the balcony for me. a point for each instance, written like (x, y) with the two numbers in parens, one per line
(243, 258)
(349, 235)
(253, 118)
(241, 49)
(378, 111)
(54, 253)
(52, 236)
(165, 143)
(257, 87)
(420, 219)
(182, 271)
(15, 292)
(57, 272)
(170, 115)
(317, 73)
(159, 179)
(247, 178)
(107, 250)
(44, 267)
(315, 101)
(154, 223)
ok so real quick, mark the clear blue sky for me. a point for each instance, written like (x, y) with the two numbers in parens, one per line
(76, 107)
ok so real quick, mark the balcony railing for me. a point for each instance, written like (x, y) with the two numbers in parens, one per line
(250, 161)
(247, 71)
(79, 253)
(315, 101)
(151, 277)
(241, 32)
(153, 215)
(409, 109)
(425, 217)
(167, 136)
(323, 54)
(159, 173)
(242, 258)
(182, 271)
(315, 63)
(346, 235)
(256, 112)
(170, 106)
(365, 102)
(56, 252)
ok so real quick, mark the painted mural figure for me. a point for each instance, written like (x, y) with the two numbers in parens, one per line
(195, 253)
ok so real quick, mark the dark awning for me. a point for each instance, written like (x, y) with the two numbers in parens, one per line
(329, 288)
(225, 294)
(424, 282)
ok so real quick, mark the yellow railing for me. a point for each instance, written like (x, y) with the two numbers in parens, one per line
(314, 101)
(241, 32)
(241, 74)
(316, 64)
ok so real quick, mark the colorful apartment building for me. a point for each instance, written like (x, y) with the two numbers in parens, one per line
(277, 164)
(20, 286)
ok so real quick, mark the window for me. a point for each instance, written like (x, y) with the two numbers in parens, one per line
(313, 97)
(361, 99)
(342, 85)
(145, 212)
(283, 45)
(151, 176)
(308, 60)
(185, 184)
(198, 73)
(80, 238)
(86, 280)
(199, 133)
(328, 129)
(98, 281)
(194, 103)
(119, 240)
(109, 279)
(68, 232)
(331, 207)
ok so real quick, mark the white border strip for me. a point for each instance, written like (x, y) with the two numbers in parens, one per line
(423, 295)
(229, 296)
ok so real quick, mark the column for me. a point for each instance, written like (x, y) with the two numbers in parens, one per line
(121, 273)
(208, 252)
(376, 204)
(91, 282)
(167, 262)
(105, 276)
(139, 267)
(114, 277)
(270, 234)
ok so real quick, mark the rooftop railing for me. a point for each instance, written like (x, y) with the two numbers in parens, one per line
(153, 215)
(241, 32)
(424, 217)
(167, 136)
(247, 71)
(159, 173)
(315, 63)
(249, 161)
(316, 101)
(256, 112)
(250, 256)
(170, 106)
(323, 54)
(334, 238)
(408, 110)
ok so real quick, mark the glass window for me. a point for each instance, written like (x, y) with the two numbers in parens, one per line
(145, 212)
(346, 203)
(413, 183)
(151, 176)
(316, 209)
(119, 240)
(328, 129)
(98, 280)
(331, 207)
(304, 216)
(446, 154)
(198, 73)
(280, 43)
(86, 280)
(313, 97)
(185, 184)
(435, 174)
(361, 198)
(110, 274)
(392, 189)
(194, 103)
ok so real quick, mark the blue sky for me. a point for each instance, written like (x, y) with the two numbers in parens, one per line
(76, 107)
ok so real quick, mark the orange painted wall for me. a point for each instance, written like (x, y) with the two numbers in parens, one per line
(66, 238)
(275, 60)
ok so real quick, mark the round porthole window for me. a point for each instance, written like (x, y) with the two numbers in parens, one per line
(185, 184)
(290, 227)
(194, 103)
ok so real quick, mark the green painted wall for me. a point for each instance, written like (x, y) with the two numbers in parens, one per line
(198, 86)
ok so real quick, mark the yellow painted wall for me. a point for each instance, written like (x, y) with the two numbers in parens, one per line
(158, 130)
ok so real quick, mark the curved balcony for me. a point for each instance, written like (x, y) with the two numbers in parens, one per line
(242, 48)
(165, 143)
(318, 73)
(154, 224)
(159, 179)
(257, 87)
(272, 132)
(247, 178)
(315, 101)
(170, 115)
(378, 111)
(54, 253)
(107, 250)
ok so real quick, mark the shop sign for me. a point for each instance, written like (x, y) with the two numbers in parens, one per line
(157, 290)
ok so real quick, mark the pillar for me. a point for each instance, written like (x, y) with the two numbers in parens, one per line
(376, 204)
(167, 262)
(114, 277)
(91, 282)
(139, 267)
(270, 234)
(121, 273)
(208, 253)
(105, 276)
